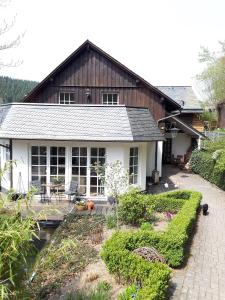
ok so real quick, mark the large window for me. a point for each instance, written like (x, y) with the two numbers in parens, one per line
(57, 164)
(97, 159)
(66, 98)
(39, 163)
(110, 98)
(79, 168)
(133, 166)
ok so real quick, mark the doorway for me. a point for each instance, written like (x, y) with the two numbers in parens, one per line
(167, 151)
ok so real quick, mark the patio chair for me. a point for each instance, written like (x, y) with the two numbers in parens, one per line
(40, 189)
(72, 191)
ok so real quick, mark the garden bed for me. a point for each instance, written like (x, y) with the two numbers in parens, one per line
(149, 280)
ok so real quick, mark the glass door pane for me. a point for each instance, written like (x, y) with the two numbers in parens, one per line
(97, 159)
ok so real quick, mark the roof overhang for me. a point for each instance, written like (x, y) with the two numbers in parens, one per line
(187, 128)
(95, 123)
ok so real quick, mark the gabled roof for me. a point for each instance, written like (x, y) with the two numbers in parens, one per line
(87, 44)
(188, 129)
(183, 95)
(77, 122)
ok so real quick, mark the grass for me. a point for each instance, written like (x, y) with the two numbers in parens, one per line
(68, 253)
(102, 292)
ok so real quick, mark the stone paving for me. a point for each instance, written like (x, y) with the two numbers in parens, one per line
(203, 277)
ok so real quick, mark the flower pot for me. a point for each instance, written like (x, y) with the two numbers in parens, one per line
(90, 205)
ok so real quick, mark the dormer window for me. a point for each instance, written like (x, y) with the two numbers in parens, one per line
(110, 98)
(66, 98)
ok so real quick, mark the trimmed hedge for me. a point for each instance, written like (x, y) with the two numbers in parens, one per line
(202, 163)
(154, 277)
(135, 208)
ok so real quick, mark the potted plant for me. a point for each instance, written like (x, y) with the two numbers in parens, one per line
(81, 205)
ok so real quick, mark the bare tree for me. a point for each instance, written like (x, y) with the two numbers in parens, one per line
(6, 44)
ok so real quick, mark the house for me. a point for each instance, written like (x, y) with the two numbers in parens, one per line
(90, 109)
(191, 106)
(190, 114)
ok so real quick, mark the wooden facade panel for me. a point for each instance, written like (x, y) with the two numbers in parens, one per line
(93, 71)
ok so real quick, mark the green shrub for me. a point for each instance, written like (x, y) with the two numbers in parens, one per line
(133, 208)
(111, 221)
(120, 260)
(136, 208)
(210, 165)
(202, 163)
(146, 226)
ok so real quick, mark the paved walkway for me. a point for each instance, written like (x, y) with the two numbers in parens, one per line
(204, 275)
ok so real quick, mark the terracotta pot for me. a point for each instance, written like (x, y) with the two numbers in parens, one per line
(90, 205)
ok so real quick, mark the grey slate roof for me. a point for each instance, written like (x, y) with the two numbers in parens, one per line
(77, 122)
(183, 95)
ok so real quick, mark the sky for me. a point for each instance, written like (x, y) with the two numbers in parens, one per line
(159, 40)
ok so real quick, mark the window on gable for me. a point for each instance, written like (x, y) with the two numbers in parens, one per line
(110, 98)
(66, 98)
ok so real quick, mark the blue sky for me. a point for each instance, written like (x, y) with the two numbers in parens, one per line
(160, 40)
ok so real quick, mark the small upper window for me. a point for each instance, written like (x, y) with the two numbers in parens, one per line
(66, 98)
(110, 99)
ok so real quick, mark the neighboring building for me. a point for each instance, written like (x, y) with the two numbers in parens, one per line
(221, 114)
(191, 108)
(90, 109)
(190, 114)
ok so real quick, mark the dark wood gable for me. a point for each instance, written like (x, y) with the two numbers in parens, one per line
(90, 70)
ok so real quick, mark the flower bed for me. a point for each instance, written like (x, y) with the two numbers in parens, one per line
(117, 251)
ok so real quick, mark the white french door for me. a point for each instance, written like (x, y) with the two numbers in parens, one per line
(69, 163)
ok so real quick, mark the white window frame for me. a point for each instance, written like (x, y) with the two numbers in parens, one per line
(57, 165)
(107, 101)
(68, 166)
(64, 101)
(98, 184)
(39, 165)
(79, 166)
(133, 176)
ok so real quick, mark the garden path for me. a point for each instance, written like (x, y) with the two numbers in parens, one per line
(203, 277)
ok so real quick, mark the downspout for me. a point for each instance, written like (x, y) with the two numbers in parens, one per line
(156, 143)
(11, 165)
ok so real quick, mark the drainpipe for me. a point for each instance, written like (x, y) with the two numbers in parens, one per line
(11, 166)
(199, 142)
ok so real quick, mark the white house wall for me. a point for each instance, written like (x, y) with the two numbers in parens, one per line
(150, 163)
(114, 151)
(181, 144)
(5, 184)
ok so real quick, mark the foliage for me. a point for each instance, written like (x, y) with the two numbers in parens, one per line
(68, 252)
(111, 221)
(210, 165)
(146, 226)
(115, 179)
(16, 234)
(136, 208)
(120, 260)
(213, 75)
(102, 292)
(209, 117)
(14, 90)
